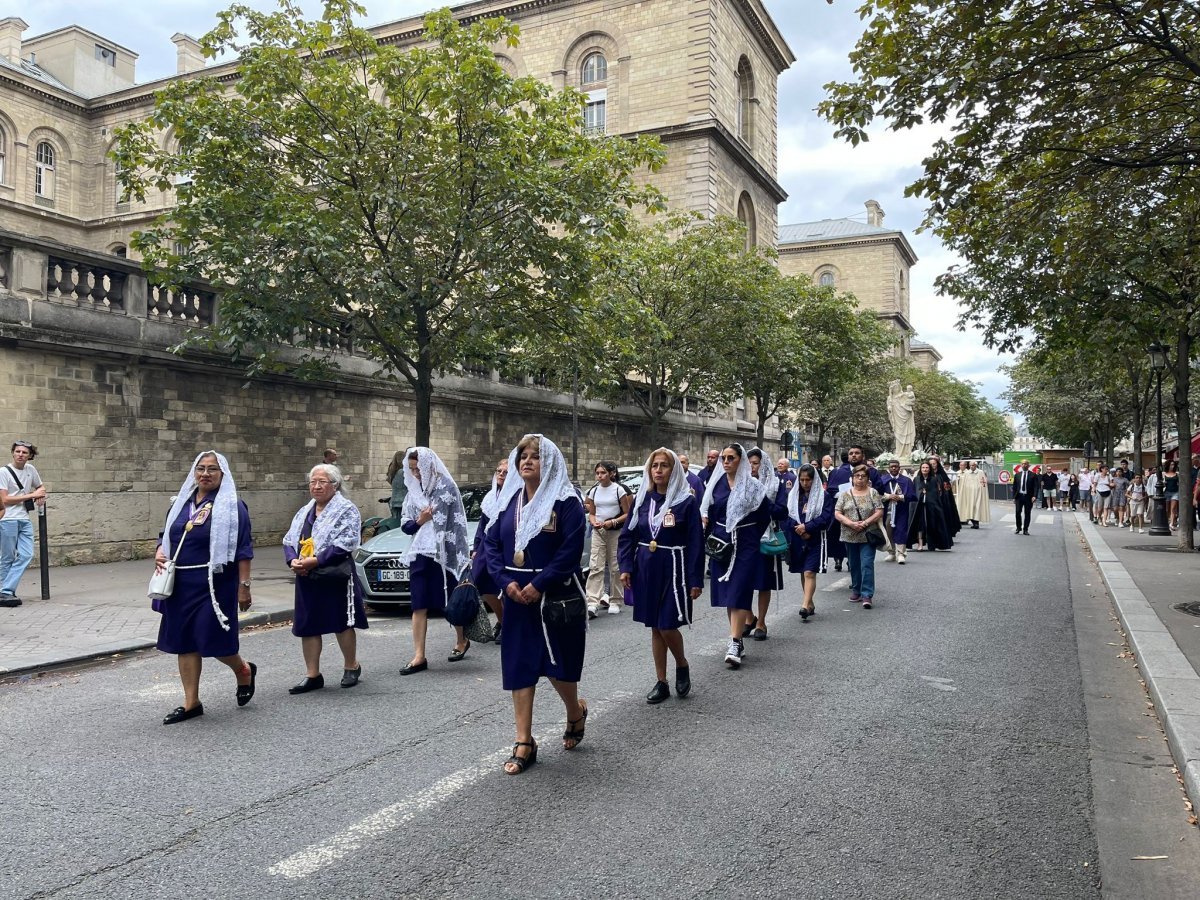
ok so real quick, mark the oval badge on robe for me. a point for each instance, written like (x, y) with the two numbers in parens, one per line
(202, 515)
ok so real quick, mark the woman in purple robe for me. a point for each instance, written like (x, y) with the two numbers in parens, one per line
(533, 548)
(735, 511)
(319, 548)
(207, 534)
(810, 510)
(660, 555)
(771, 567)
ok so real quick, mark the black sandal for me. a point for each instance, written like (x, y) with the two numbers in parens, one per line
(522, 762)
(576, 734)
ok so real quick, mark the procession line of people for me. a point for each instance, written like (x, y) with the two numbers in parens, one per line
(736, 525)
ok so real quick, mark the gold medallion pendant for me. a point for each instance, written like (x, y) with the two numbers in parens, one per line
(653, 546)
(519, 558)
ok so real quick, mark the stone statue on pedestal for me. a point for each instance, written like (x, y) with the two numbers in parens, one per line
(901, 405)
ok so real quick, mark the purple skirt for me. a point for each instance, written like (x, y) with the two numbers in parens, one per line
(325, 607)
(189, 623)
(431, 585)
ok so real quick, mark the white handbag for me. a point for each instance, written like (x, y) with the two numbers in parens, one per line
(162, 582)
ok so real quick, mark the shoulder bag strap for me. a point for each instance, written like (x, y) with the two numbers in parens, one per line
(20, 486)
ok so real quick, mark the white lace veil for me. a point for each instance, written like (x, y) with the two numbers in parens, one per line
(554, 486)
(678, 489)
(816, 497)
(491, 502)
(339, 525)
(223, 527)
(745, 496)
(443, 538)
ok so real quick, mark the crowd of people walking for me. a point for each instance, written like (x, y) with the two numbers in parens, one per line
(740, 524)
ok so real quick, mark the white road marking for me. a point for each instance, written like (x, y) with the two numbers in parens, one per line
(318, 856)
(1045, 519)
(941, 684)
(837, 585)
(1008, 517)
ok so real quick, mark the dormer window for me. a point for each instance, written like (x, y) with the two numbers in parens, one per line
(106, 55)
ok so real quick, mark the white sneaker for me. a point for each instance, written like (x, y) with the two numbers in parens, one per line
(593, 610)
(604, 600)
(891, 557)
(733, 654)
(1141, 531)
(614, 609)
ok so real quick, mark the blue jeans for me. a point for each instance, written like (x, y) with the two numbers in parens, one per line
(16, 552)
(862, 569)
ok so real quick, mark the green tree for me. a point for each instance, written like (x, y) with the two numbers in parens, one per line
(421, 200)
(668, 291)
(1067, 180)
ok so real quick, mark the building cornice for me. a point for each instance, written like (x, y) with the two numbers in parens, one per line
(764, 27)
(796, 248)
(712, 128)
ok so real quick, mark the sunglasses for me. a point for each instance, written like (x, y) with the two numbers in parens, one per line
(730, 458)
(25, 444)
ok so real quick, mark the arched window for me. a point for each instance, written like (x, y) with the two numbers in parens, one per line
(594, 69)
(3, 147)
(826, 279)
(745, 215)
(745, 98)
(43, 172)
(119, 250)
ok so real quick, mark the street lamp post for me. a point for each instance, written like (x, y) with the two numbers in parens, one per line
(1159, 527)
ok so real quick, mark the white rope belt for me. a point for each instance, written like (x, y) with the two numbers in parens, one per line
(733, 540)
(222, 619)
(545, 630)
(677, 563)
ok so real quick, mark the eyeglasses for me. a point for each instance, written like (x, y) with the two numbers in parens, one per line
(207, 470)
(319, 483)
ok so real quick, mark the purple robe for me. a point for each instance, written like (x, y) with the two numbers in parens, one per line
(745, 568)
(325, 605)
(897, 527)
(662, 580)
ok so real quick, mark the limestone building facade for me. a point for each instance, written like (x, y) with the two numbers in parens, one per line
(87, 370)
(866, 259)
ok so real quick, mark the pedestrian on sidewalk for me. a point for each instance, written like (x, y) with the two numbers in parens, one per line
(1170, 491)
(1101, 495)
(810, 510)
(207, 534)
(735, 510)
(1137, 504)
(319, 548)
(440, 552)
(1073, 490)
(1025, 485)
(533, 547)
(1064, 488)
(662, 565)
(607, 504)
(1118, 502)
(21, 492)
(859, 510)
(395, 478)
(1085, 489)
(1049, 489)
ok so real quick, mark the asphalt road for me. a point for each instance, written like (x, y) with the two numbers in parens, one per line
(935, 746)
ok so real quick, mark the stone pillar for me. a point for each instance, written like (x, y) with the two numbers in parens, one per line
(136, 294)
(189, 57)
(28, 272)
(11, 30)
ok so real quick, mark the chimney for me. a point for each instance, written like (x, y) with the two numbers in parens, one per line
(190, 58)
(874, 213)
(11, 30)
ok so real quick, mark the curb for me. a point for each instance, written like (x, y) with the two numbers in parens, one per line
(249, 620)
(1171, 680)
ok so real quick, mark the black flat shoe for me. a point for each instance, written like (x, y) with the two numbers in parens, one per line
(496, 632)
(414, 668)
(350, 677)
(459, 654)
(246, 691)
(308, 684)
(179, 714)
(683, 681)
(760, 634)
(805, 612)
(658, 693)
(837, 567)
(749, 629)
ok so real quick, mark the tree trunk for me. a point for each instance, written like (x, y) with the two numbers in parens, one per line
(1183, 426)
(423, 396)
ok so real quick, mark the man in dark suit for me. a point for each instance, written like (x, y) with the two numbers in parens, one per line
(1025, 488)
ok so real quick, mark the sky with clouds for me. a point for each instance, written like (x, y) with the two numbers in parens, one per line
(824, 178)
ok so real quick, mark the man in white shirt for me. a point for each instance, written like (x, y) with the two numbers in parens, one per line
(1085, 489)
(1064, 488)
(21, 490)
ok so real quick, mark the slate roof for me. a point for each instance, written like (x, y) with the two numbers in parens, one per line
(829, 229)
(25, 67)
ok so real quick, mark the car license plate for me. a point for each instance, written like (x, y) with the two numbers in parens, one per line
(393, 575)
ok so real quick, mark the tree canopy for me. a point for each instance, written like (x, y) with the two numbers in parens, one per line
(419, 200)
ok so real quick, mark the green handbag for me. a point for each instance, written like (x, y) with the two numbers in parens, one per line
(774, 542)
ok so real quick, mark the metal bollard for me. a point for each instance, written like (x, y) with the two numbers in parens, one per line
(44, 552)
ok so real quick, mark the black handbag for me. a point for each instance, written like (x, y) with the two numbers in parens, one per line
(463, 605)
(717, 550)
(339, 571)
(564, 604)
(875, 540)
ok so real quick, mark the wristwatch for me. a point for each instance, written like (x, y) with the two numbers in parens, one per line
(245, 583)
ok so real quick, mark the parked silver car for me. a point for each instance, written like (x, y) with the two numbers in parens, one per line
(380, 564)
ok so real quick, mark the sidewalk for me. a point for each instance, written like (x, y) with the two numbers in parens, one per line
(1146, 579)
(102, 609)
